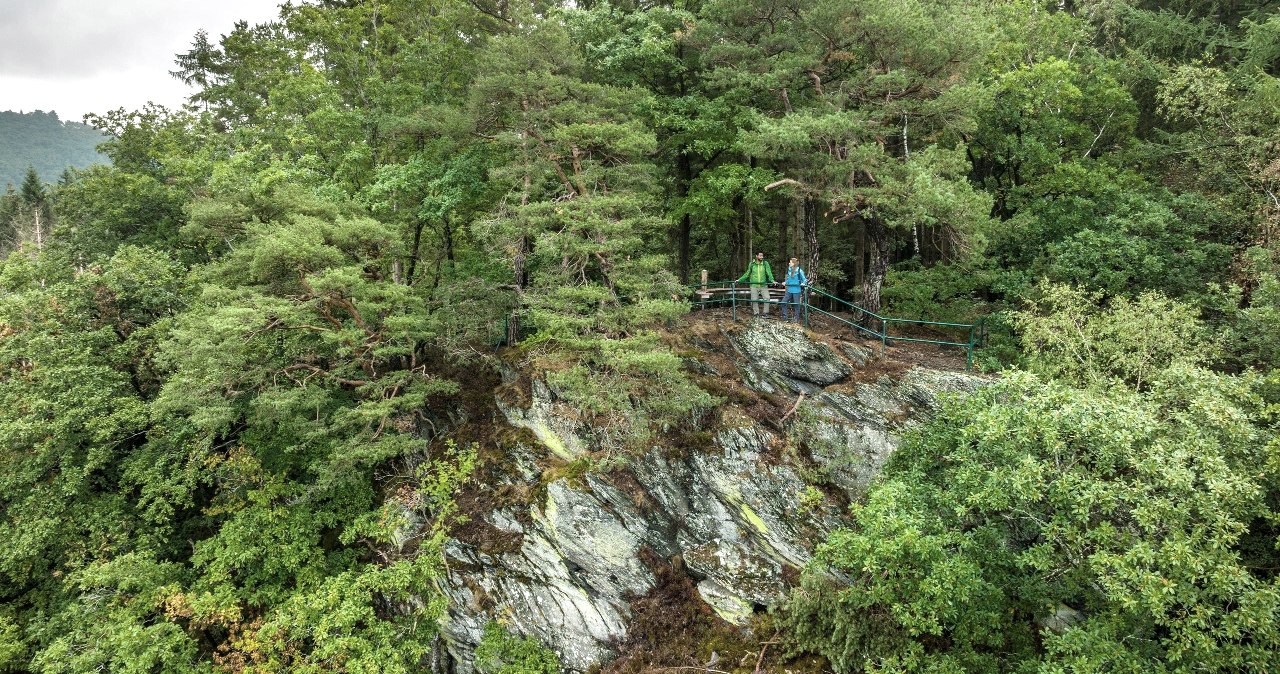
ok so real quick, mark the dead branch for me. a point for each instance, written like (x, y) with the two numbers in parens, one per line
(760, 660)
(847, 215)
(784, 181)
(275, 323)
(1100, 132)
(793, 409)
(817, 82)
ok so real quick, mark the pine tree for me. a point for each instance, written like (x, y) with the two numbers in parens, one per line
(32, 219)
(10, 207)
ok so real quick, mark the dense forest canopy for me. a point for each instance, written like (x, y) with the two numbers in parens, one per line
(227, 353)
(41, 141)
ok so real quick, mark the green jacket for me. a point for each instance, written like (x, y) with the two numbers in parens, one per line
(760, 273)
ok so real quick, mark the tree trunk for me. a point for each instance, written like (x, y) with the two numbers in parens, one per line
(810, 226)
(796, 216)
(752, 246)
(447, 234)
(860, 254)
(520, 277)
(735, 251)
(741, 242)
(686, 230)
(878, 263)
(684, 174)
(784, 223)
(413, 253)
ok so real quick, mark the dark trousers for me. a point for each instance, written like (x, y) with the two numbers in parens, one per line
(792, 301)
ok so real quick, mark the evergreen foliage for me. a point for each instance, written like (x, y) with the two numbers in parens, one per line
(231, 359)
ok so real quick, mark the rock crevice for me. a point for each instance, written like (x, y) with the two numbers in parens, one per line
(733, 512)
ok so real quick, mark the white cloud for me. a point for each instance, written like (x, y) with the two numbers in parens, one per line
(72, 98)
(80, 56)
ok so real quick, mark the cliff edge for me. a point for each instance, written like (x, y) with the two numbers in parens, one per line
(622, 559)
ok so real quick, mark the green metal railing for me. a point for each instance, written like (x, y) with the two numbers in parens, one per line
(730, 291)
(731, 294)
(721, 293)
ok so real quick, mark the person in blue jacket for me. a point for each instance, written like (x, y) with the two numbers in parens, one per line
(796, 283)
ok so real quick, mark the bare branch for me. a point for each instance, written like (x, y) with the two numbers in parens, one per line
(1100, 132)
(322, 371)
(784, 181)
(793, 409)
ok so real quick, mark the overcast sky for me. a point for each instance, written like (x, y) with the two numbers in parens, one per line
(79, 56)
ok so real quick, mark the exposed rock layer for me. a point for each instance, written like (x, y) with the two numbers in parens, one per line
(564, 561)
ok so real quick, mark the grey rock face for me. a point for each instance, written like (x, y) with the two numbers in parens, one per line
(554, 424)
(731, 510)
(851, 435)
(731, 515)
(784, 353)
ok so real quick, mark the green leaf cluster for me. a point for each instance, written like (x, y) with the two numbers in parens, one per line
(1040, 527)
(500, 652)
(1112, 508)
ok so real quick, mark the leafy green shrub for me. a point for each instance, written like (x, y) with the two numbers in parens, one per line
(1037, 526)
(1087, 223)
(13, 651)
(632, 386)
(945, 292)
(1072, 334)
(1251, 330)
(501, 652)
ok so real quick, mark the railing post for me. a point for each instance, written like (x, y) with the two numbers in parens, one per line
(884, 335)
(703, 297)
(733, 299)
(805, 298)
(968, 364)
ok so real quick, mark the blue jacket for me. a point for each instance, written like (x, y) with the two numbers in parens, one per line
(795, 279)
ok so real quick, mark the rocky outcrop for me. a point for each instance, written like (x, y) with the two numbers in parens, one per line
(563, 560)
(777, 356)
(850, 434)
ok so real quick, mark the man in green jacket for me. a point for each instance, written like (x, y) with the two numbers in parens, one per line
(760, 275)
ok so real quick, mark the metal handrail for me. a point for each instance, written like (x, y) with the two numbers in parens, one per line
(975, 330)
(847, 303)
(846, 321)
(924, 322)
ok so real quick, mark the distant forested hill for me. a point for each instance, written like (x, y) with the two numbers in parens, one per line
(49, 144)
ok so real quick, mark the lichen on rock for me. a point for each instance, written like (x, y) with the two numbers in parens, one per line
(727, 512)
(787, 357)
